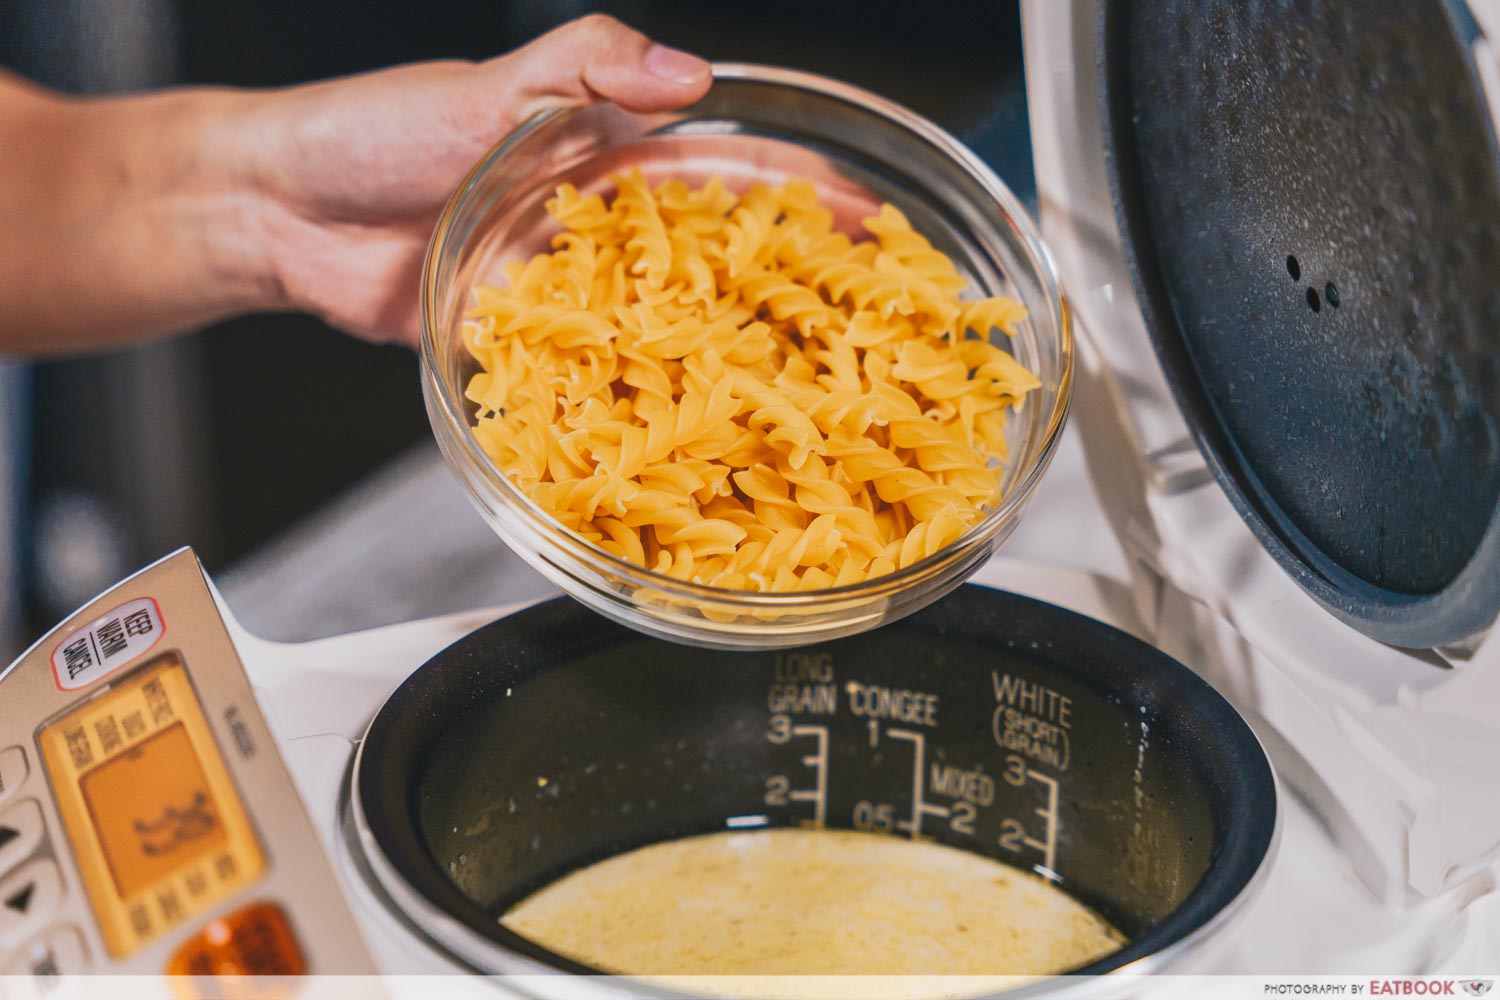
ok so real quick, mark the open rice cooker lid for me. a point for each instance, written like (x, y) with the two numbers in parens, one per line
(1308, 199)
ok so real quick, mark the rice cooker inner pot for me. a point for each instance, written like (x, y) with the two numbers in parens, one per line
(554, 738)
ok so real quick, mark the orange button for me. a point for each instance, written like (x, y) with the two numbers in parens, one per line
(254, 941)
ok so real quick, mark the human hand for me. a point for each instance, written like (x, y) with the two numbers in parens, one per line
(349, 175)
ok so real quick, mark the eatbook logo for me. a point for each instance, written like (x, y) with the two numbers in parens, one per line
(1477, 987)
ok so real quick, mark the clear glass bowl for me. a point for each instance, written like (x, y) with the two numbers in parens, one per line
(756, 123)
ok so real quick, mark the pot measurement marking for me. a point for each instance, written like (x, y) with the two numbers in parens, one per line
(778, 786)
(1013, 836)
(919, 805)
(1048, 844)
(879, 816)
(1033, 721)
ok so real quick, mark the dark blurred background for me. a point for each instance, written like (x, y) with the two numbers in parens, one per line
(227, 438)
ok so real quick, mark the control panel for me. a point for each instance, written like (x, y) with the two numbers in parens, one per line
(147, 822)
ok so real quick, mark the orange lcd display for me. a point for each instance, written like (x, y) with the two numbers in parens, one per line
(157, 828)
(152, 810)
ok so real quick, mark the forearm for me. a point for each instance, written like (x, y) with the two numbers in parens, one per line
(125, 218)
(131, 217)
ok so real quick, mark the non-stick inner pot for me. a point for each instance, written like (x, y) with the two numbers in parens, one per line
(991, 722)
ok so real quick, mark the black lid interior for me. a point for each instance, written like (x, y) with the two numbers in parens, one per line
(1309, 201)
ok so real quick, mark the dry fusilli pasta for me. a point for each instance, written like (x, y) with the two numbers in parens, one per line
(725, 389)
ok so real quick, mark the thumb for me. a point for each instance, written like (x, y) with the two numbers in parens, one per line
(598, 57)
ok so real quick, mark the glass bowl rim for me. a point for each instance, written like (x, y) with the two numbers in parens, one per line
(606, 564)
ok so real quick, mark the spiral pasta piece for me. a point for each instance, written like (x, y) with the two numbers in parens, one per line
(724, 389)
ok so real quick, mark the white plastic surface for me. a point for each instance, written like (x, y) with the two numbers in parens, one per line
(13, 771)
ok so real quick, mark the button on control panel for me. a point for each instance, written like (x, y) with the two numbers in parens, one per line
(28, 898)
(49, 960)
(254, 941)
(20, 833)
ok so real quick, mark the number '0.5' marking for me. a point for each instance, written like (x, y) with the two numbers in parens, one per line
(880, 817)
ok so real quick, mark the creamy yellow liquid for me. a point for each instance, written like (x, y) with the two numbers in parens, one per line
(811, 902)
